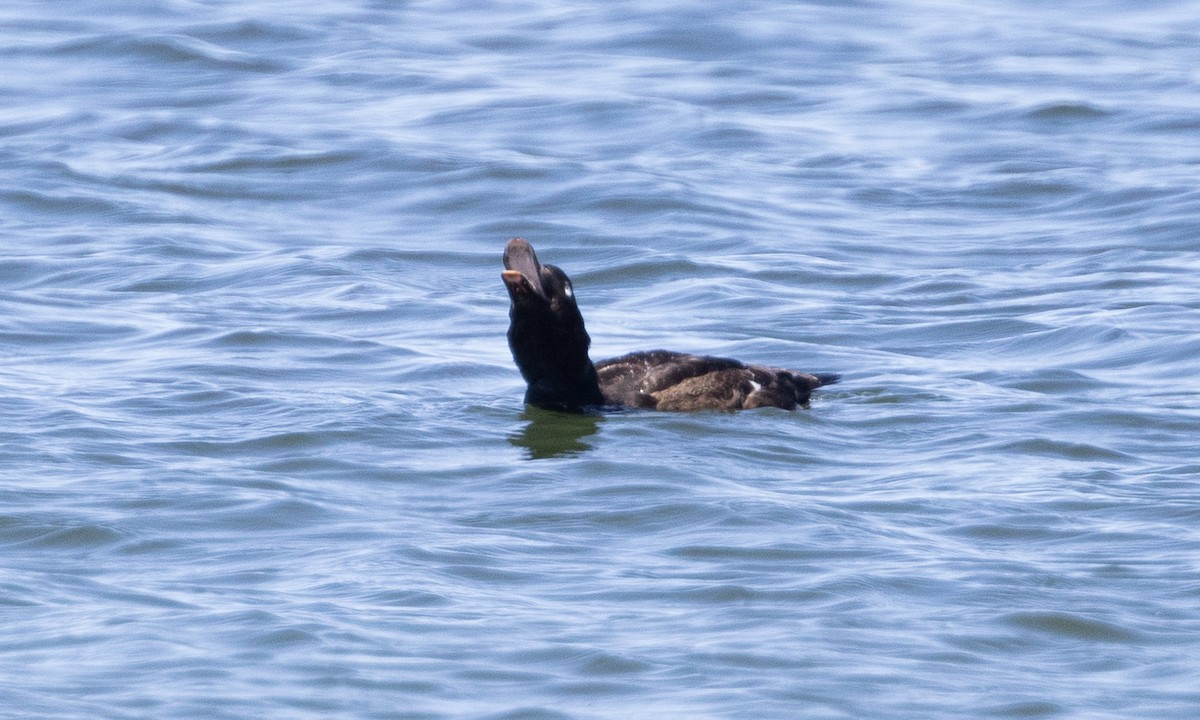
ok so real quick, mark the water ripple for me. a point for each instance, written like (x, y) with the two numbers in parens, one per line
(263, 433)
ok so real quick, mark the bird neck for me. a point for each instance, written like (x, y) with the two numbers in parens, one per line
(555, 364)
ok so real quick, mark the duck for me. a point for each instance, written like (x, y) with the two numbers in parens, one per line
(550, 346)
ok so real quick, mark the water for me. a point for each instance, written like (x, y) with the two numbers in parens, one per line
(263, 452)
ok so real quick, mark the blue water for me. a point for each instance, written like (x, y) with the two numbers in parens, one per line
(262, 445)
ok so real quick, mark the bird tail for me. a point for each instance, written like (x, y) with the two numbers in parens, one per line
(824, 379)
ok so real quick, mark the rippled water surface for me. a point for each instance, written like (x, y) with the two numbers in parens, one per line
(262, 445)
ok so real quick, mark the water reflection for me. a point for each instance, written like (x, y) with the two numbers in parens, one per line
(549, 434)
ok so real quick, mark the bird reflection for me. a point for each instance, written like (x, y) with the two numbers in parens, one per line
(550, 434)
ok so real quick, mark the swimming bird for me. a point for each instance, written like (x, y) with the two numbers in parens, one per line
(550, 346)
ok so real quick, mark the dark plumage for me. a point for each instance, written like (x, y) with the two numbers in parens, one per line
(550, 346)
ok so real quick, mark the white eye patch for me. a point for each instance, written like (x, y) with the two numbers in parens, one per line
(568, 290)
